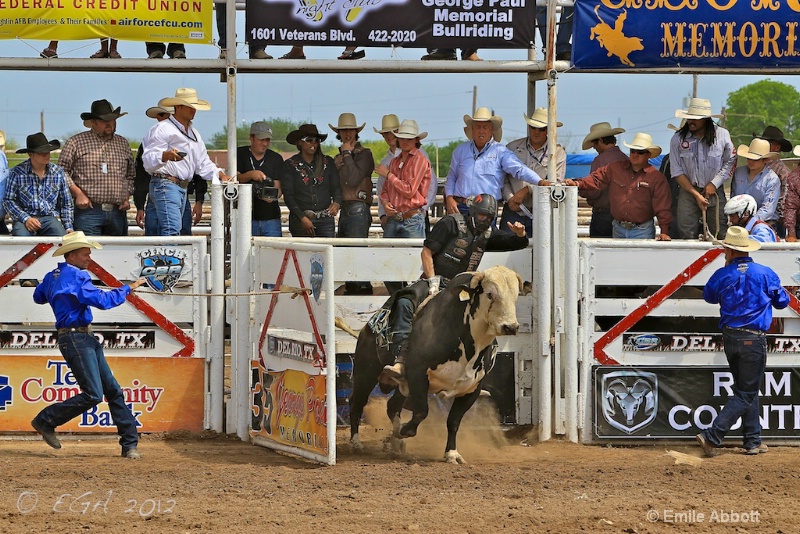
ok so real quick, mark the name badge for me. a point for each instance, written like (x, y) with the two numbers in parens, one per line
(104, 167)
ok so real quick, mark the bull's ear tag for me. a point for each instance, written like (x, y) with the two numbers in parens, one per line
(463, 296)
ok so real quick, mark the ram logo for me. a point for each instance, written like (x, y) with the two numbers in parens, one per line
(630, 399)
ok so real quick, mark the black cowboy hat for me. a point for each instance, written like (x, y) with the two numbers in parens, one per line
(103, 110)
(773, 133)
(305, 130)
(38, 144)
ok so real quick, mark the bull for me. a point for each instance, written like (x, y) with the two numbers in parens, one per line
(450, 349)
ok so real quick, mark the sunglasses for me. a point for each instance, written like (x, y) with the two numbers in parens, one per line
(310, 140)
(640, 152)
(538, 129)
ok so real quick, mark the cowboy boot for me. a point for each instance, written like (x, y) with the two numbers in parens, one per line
(398, 369)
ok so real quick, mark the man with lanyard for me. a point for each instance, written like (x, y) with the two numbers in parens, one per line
(479, 166)
(741, 211)
(456, 245)
(100, 172)
(602, 137)
(746, 293)
(532, 151)
(173, 153)
(70, 292)
(261, 166)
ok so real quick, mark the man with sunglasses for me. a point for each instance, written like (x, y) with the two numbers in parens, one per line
(637, 192)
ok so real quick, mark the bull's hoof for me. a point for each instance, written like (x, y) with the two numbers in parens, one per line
(452, 457)
(355, 444)
(408, 432)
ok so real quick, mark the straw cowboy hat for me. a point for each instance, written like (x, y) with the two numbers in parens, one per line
(539, 119)
(796, 151)
(74, 241)
(410, 130)
(155, 111)
(101, 110)
(773, 133)
(643, 141)
(598, 131)
(758, 149)
(738, 238)
(676, 128)
(484, 115)
(185, 96)
(699, 108)
(389, 123)
(305, 130)
(38, 144)
(347, 121)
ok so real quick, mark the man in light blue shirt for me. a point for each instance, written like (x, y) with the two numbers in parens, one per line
(758, 180)
(479, 166)
(3, 176)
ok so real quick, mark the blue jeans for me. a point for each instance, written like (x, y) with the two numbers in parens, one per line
(51, 226)
(96, 221)
(169, 203)
(516, 216)
(563, 28)
(354, 219)
(84, 355)
(645, 230)
(151, 219)
(411, 227)
(267, 228)
(747, 359)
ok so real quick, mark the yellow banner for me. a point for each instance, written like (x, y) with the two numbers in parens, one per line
(175, 21)
(164, 394)
(289, 407)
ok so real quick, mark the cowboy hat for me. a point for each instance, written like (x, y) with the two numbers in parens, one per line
(796, 150)
(305, 130)
(185, 96)
(484, 115)
(676, 128)
(699, 108)
(410, 130)
(389, 123)
(2, 139)
(643, 141)
(758, 149)
(155, 111)
(101, 110)
(773, 133)
(74, 241)
(738, 238)
(347, 121)
(38, 144)
(261, 130)
(539, 119)
(598, 131)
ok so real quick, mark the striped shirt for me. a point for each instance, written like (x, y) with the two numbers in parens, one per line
(84, 158)
(28, 196)
(408, 182)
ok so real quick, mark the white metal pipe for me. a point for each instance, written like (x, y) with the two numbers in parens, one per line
(570, 272)
(330, 350)
(544, 295)
(241, 255)
(216, 352)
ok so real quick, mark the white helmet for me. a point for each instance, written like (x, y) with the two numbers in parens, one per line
(741, 205)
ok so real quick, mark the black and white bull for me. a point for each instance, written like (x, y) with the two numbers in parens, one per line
(449, 353)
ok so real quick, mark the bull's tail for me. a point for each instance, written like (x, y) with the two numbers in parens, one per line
(597, 14)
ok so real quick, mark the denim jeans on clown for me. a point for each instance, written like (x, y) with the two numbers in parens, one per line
(413, 227)
(84, 355)
(354, 219)
(646, 230)
(99, 221)
(169, 201)
(51, 226)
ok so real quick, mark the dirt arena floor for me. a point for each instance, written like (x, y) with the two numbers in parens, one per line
(216, 483)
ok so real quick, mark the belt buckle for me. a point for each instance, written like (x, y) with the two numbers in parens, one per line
(107, 207)
(183, 183)
(398, 216)
(627, 225)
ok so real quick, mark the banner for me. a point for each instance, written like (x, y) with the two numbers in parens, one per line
(410, 23)
(678, 402)
(617, 34)
(697, 342)
(175, 21)
(164, 394)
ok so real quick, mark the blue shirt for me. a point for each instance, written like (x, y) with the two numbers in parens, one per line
(70, 292)
(746, 293)
(765, 188)
(473, 172)
(762, 231)
(28, 196)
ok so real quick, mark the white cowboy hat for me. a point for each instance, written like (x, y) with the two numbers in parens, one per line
(347, 121)
(484, 115)
(738, 238)
(699, 108)
(676, 128)
(155, 111)
(74, 241)
(539, 119)
(598, 131)
(796, 150)
(185, 96)
(643, 141)
(389, 123)
(758, 149)
(409, 130)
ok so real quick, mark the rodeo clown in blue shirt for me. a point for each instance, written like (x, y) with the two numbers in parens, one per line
(746, 293)
(70, 292)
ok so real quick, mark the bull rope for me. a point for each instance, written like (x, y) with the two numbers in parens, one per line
(294, 291)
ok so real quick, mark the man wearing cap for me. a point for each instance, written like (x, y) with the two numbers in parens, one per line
(702, 159)
(602, 137)
(758, 180)
(355, 165)
(746, 293)
(637, 192)
(3, 176)
(311, 188)
(777, 143)
(480, 165)
(100, 172)
(792, 206)
(532, 151)
(259, 165)
(37, 196)
(173, 153)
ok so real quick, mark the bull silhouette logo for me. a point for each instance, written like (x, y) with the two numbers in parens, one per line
(161, 267)
(630, 399)
(613, 40)
(317, 275)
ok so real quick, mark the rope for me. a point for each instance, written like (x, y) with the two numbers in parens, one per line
(294, 291)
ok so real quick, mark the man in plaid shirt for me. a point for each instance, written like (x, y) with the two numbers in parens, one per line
(100, 172)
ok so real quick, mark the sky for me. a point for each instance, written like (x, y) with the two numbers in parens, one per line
(438, 102)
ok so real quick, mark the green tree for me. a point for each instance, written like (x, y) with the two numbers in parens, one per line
(280, 129)
(442, 154)
(754, 106)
